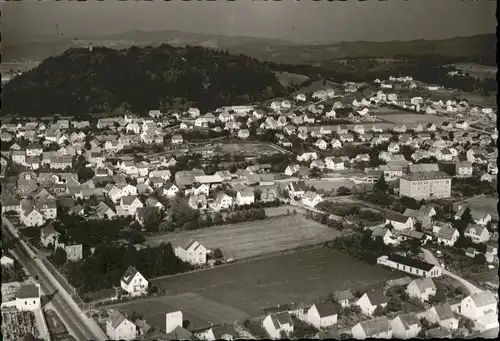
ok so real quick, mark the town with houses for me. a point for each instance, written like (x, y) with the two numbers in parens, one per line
(137, 172)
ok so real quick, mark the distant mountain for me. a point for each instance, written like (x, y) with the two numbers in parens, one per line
(80, 81)
(479, 48)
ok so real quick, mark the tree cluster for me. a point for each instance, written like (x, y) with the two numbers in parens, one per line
(106, 266)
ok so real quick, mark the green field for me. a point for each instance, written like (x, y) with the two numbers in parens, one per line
(301, 277)
(484, 204)
(254, 238)
(196, 309)
(413, 119)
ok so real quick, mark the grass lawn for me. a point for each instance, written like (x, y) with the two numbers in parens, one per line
(301, 277)
(484, 204)
(330, 185)
(254, 238)
(196, 309)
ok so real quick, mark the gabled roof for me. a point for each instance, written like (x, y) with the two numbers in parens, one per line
(344, 295)
(412, 262)
(484, 298)
(424, 283)
(326, 309)
(375, 326)
(377, 297)
(444, 311)
(129, 274)
(28, 291)
(116, 318)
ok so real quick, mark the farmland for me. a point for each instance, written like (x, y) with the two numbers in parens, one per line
(484, 204)
(254, 238)
(301, 277)
(250, 149)
(287, 79)
(196, 309)
(413, 119)
(476, 70)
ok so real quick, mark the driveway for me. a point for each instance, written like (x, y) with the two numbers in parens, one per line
(430, 258)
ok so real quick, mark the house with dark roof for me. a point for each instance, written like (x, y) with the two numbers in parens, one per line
(28, 297)
(133, 282)
(438, 333)
(442, 315)
(278, 324)
(118, 327)
(344, 297)
(322, 315)
(371, 300)
(412, 266)
(379, 328)
(398, 221)
(478, 233)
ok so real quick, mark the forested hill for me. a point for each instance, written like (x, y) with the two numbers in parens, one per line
(80, 81)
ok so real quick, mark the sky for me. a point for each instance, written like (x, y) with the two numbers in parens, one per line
(302, 21)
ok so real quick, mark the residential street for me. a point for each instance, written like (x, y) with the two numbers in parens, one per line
(430, 258)
(82, 327)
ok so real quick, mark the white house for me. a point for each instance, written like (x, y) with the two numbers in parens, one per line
(447, 235)
(118, 327)
(277, 324)
(297, 189)
(245, 197)
(28, 297)
(443, 315)
(307, 156)
(311, 199)
(130, 204)
(385, 234)
(399, 221)
(291, 169)
(223, 201)
(405, 326)
(344, 297)
(322, 315)
(478, 233)
(321, 144)
(300, 98)
(6, 261)
(194, 253)
(421, 288)
(412, 266)
(371, 300)
(379, 328)
(479, 305)
(133, 282)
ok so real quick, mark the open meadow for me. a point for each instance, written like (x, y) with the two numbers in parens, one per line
(413, 119)
(254, 238)
(254, 149)
(196, 309)
(484, 204)
(302, 277)
(288, 79)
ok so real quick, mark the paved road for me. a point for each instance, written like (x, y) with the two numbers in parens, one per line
(82, 327)
(430, 258)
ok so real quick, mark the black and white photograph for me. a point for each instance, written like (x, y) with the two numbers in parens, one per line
(248, 169)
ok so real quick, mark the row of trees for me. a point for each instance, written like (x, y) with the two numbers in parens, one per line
(108, 263)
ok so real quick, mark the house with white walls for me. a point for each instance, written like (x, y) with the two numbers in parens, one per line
(133, 282)
(194, 253)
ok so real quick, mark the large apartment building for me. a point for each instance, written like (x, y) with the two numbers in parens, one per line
(425, 185)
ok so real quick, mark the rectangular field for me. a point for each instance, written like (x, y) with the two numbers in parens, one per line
(248, 148)
(254, 238)
(413, 119)
(484, 204)
(196, 309)
(300, 277)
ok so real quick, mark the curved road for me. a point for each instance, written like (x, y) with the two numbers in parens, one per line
(82, 327)
(430, 258)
